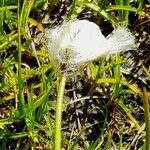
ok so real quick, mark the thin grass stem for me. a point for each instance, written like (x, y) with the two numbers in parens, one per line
(147, 117)
(19, 55)
(20, 81)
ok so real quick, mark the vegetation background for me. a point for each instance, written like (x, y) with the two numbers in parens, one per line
(106, 106)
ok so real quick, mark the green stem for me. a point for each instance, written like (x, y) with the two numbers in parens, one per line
(19, 58)
(59, 104)
(147, 117)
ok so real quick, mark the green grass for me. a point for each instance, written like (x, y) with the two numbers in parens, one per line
(33, 98)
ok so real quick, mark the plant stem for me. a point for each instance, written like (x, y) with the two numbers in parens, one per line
(19, 61)
(59, 104)
(147, 117)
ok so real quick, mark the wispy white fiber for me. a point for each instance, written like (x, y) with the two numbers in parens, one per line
(78, 42)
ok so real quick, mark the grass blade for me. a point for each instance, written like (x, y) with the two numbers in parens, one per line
(147, 117)
(128, 112)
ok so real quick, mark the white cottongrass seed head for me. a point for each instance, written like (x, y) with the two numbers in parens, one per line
(77, 42)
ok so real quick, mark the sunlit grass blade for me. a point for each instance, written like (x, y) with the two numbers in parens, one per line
(13, 80)
(123, 14)
(103, 4)
(140, 3)
(8, 7)
(16, 135)
(120, 12)
(8, 41)
(1, 17)
(6, 121)
(41, 99)
(93, 70)
(108, 142)
(125, 83)
(128, 112)
(35, 23)
(126, 13)
(20, 85)
(146, 103)
(116, 71)
(128, 8)
(102, 13)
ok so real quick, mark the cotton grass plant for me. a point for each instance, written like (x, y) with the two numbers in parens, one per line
(29, 116)
(76, 43)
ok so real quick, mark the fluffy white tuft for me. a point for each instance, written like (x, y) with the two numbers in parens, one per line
(120, 40)
(77, 42)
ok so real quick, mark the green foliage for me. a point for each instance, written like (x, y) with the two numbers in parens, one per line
(29, 88)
